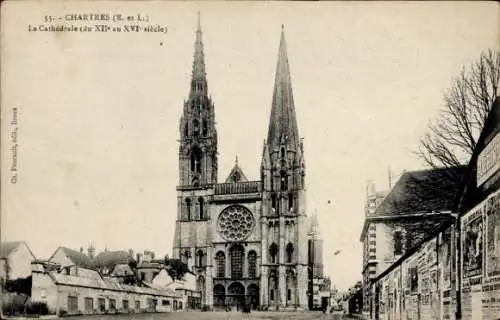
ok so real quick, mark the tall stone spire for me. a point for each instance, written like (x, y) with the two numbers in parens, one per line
(198, 77)
(198, 148)
(283, 128)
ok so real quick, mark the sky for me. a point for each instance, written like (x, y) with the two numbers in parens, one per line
(98, 113)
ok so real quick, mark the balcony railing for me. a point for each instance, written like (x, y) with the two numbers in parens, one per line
(237, 187)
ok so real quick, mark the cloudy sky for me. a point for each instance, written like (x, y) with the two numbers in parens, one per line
(99, 112)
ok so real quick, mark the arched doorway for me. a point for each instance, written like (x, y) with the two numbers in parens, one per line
(236, 295)
(219, 296)
(253, 295)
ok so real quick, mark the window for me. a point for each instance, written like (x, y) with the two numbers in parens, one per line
(236, 262)
(220, 261)
(180, 305)
(273, 251)
(282, 152)
(205, 128)
(271, 295)
(196, 160)
(202, 208)
(72, 304)
(137, 305)
(102, 304)
(290, 202)
(274, 204)
(196, 124)
(252, 264)
(112, 304)
(373, 250)
(125, 305)
(284, 181)
(289, 294)
(188, 209)
(186, 129)
(289, 253)
(199, 258)
(398, 243)
(143, 276)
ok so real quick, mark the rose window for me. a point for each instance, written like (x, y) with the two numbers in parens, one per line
(235, 223)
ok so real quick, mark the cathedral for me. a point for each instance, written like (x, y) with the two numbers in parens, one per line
(247, 242)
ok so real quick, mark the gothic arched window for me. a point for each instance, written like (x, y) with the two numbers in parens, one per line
(236, 253)
(199, 258)
(274, 203)
(196, 127)
(220, 262)
(282, 152)
(186, 129)
(205, 128)
(252, 264)
(273, 252)
(187, 255)
(290, 201)
(284, 180)
(202, 208)
(188, 209)
(196, 160)
(289, 252)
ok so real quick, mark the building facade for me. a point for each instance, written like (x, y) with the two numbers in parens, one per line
(369, 240)
(15, 260)
(420, 203)
(245, 240)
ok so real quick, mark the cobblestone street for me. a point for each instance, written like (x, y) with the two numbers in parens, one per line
(230, 316)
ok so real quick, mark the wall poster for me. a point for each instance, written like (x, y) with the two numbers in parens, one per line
(472, 243)
(493, 236)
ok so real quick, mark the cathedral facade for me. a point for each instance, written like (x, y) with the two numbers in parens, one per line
(246, 241)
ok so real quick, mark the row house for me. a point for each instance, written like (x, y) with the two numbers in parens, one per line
(453, 272)
(419, 203)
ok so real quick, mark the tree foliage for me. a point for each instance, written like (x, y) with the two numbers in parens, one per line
(176, 268)
(452, 137)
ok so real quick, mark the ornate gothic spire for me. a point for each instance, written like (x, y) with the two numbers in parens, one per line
(199, 74)
(283, 128)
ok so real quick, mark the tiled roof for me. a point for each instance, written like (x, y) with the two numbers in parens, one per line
(110, 259)
(106, 284)
(7, 247)
(428, 191)
(78, 258)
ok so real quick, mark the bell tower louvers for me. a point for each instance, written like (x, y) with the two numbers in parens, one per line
(198, 143)
(283, 196)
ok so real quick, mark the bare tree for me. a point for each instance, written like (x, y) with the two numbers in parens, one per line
(451, 139)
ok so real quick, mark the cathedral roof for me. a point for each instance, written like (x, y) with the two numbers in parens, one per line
(283, 127)
(236, 174)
